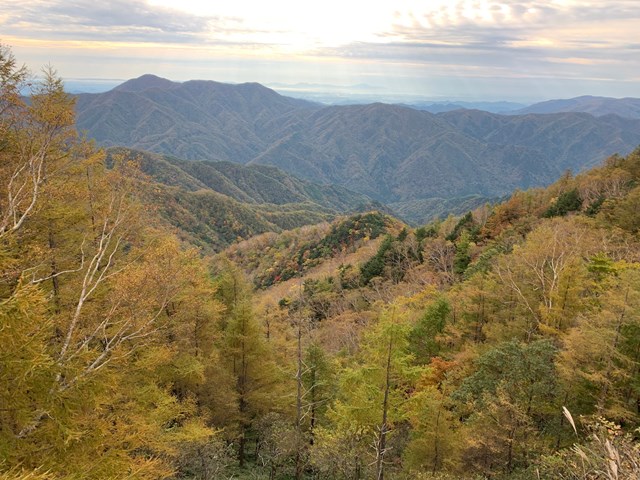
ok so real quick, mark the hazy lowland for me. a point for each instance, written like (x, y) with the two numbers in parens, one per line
(215, 281)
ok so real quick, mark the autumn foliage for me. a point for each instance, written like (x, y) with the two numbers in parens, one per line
(354, 350)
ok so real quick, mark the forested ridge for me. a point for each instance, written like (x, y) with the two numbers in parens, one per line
(213, 204)
(413, 160)
(504, 343)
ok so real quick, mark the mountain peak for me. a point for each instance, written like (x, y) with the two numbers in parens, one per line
(145, 82)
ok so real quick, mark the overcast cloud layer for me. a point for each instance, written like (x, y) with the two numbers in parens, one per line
(470, 49)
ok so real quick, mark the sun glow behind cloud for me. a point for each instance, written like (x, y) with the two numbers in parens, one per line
(299, 26)
(429, 47)
(294, 25)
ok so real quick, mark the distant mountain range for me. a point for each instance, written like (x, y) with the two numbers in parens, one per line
(493, 107)
(196, 120)
(596, 106)
(393, 154)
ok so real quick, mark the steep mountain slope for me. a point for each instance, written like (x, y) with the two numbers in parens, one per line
(360, 146)
(508, 312)
(212, 204)
(397, 154)
(597, 106)
(563, 140)
(254, 184)
(424, 210)
(192, 120)
(463, 349)
(391, 153)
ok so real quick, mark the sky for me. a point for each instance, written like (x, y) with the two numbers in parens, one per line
(433, 49)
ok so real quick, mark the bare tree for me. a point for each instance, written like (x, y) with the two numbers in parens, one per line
(34, 139)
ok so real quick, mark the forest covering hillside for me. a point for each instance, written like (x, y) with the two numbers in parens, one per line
(253, 184)
(193, 120)
(503, 344)
(391, 153)
(500, 344)
(213, 204)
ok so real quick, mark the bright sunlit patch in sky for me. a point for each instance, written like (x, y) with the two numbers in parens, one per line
(422, 47)
(294, 24)
(337, 22)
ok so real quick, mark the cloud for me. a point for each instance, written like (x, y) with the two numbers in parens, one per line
(514, 13)
(474, 22)
(534, 39)
(465, 40)
(115, 20)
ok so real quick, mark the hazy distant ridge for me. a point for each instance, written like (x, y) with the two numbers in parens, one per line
(596, 106)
